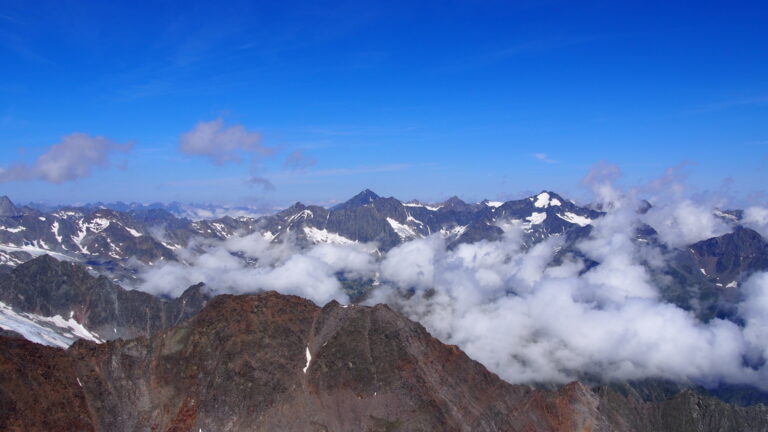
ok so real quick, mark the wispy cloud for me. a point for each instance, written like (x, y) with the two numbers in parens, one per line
(297, 161)
(543, 158)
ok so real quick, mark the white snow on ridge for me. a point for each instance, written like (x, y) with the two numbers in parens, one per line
(430, 208)
(53, 331)
(323, 236)
(575, 219)
(304, 214)
(543, 200)
(494, 204)
(98, 224)
(12, 229)
(404, 231)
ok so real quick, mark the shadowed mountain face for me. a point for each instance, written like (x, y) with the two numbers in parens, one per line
(707, 275)
(47, 287)
(275, 362)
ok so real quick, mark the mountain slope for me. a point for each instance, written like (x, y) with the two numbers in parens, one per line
(45, 287)
(275, 362)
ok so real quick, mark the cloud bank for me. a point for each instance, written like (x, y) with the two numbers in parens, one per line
(74, 157)
(538, 314)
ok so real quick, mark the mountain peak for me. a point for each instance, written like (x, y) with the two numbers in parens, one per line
(363, 198)
(367, 194)
(7, 208)
(546, 199)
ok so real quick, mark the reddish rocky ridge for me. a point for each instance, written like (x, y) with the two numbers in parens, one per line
(275, 362)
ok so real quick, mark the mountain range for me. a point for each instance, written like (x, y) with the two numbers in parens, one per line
(108, 358)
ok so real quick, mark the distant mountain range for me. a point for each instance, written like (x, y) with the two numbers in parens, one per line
(150, 233)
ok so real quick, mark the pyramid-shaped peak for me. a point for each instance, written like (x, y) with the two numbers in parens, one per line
(363, 198)
(454, 200)
(7, 208)
(456, 203)
(366, 194)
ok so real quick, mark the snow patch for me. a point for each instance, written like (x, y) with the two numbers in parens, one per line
(52, 331)
(309, 359)
(12, 229)
(132, 231)
(55, 230)
(430, 208)
(97, 224)
(536, 218)
(323, 236)
(542, 200)
(575, 219)
(456, 231)
(404, 231)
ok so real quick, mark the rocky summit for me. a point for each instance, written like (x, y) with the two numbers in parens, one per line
(277, 362)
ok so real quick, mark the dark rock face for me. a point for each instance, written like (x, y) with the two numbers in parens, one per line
(39, 390)
(47, 287)
(706, 276)
(730, 257)
(274, 362)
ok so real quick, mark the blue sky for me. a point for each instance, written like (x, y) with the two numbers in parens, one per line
(480, 99)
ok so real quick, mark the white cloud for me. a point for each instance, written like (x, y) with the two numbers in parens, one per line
(601, 178)
(685, 223)
(510, 307)
(222, 144)
(757, 218)
(72, 158)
